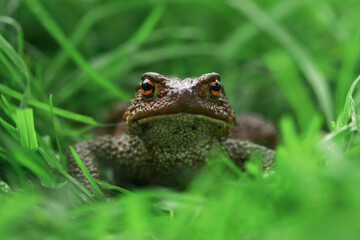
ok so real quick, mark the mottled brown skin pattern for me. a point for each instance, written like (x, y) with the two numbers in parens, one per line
(171, 131)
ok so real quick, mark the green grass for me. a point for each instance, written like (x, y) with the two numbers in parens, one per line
(64, 66)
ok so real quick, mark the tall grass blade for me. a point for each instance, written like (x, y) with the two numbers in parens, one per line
(246, 32)
(14, 75)
(85, 25)
(24, 119)
(347, 113)
(14, 57)
(19, 31)
(49, 23)
(283, 68)
(119, 57)
(298, 52)
(60, 112)
(54, 126)
(9, 128)
(348, 68)
(92, 181)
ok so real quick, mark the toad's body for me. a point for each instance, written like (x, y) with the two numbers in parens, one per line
(172, 126)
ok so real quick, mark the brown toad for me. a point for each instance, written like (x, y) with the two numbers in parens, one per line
(172, 127)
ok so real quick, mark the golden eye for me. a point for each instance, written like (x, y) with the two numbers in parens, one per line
(215, 87)
(147, 87)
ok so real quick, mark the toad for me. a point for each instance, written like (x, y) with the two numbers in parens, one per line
(172, 127)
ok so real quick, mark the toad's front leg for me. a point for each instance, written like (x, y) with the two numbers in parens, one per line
(241, 151)
(104, 153)
(89, 159)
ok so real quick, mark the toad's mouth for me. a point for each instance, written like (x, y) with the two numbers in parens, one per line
(221, 126)
(206, 115)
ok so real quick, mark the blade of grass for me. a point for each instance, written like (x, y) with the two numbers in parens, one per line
(243, 34)
(9, 128)
(283, 69)
(14, 74)
(298, 52)
(51, 158)
(9, 111)
(351, 58)
(26, 95)
(347, 112)
(20, 157)
(24, 119)
(15, 165)
(14, 57)
(118, 56)
(52, 27)
(19, 31)
(60, 112)
(94, 186)
(112, 187)
(19, 63)
(54, 127)
(148, 25)
(86, 24)
(7, 107)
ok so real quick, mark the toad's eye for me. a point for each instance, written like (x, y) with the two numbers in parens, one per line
(147, 87)
(215, 87)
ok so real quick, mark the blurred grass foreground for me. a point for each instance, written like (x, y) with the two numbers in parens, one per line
(65, 64)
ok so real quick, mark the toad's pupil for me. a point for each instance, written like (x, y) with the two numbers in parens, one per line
(216, 86)
(146, 85)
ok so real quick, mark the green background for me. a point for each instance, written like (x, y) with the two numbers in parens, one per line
(65, 64)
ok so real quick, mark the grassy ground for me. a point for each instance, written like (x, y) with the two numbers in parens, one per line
(64, 65)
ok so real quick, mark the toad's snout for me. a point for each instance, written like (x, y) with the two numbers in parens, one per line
(184, 100)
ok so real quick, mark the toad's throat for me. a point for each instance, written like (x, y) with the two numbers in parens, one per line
(180, 128)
